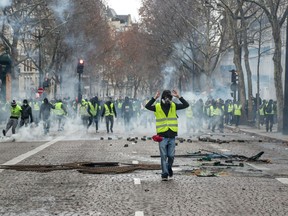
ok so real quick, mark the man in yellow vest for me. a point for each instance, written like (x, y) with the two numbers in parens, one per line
(93, 111)
(237, 112)
(15, 111)
(166, 127)
(83, 112)
(60, 112)
(109, 112)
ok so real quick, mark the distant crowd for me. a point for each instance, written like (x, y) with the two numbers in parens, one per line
(211, 114)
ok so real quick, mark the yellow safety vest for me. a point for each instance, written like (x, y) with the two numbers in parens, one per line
(16, 111)
(237, 110)
(83, 109)
(58, 109)
(93, 109)
(36, 106)
(230, 108)
(107, 111)
(163, 122)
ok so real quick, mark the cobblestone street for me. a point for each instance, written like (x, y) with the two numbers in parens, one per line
(198, 187)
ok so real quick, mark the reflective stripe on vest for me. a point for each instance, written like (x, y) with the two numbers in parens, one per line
(163, 122)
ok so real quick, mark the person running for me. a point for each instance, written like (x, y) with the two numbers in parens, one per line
(269, 111)
(26, 114)
(109, 112)
(93, 111)
(84, 115)
(166, 127)
(15, 113)
(127, 112)
(44, 114)
(60, 112)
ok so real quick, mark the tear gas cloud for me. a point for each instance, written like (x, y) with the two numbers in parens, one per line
(60, 8)
(5, 3)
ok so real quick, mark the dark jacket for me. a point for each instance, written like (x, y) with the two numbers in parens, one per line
(26, 112)
(45, 110)
(165, 108)
(127, 108)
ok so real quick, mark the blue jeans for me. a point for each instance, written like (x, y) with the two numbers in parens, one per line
(167, 153)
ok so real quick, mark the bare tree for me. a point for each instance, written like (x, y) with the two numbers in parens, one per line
(276, 11)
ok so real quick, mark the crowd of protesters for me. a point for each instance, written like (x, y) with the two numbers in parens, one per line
(129, 114)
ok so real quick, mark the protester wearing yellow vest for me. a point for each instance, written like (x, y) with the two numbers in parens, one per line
(83, 112)
(166, 127)
(93, 111)
(269, 111)
(15, 111)
(35, 105)
(261, 112)
(109, 112)
(229, 112)
(60, 112)
(237, 112)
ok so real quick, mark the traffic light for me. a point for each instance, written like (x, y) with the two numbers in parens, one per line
(80, 66)
(234, 76)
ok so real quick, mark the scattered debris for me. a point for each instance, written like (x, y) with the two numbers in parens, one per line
(86, 167)
(208, 173)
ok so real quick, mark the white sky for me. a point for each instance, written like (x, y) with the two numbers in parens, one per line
(125, 7)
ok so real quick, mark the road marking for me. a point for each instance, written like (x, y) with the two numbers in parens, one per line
(176, 169)
(137, 181)
(30, 153)
(258, 167)
(135, 162)
(139, 213)
(224, 150)
(283, 180)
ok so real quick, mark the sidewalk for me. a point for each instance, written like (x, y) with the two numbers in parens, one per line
(262, 132)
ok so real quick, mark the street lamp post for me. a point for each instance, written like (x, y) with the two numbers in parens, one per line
(80, 69)
(285, 110)
(39, 37)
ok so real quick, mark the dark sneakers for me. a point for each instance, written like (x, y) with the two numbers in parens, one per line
(170, 172)
(4, 132)
(164, 178)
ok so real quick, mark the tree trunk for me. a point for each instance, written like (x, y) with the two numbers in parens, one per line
(247, 66)
(278, 73)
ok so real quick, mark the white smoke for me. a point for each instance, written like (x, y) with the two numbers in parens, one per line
(5, 3)
(61, 8)
(168, 72)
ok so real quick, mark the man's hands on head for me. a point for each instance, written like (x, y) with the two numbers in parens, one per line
(175, 93)
(157, 95)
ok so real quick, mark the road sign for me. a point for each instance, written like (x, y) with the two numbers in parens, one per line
(40, 90)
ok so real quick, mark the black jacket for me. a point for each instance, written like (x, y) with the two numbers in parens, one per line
(26, 112)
